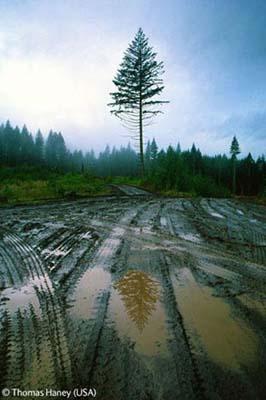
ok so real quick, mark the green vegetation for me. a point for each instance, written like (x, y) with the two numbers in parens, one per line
(34, 169)
(126, 180)
(29, 184)
(189, 187)
(175, 171)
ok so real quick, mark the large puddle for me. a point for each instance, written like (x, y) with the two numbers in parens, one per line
(24, 296)
(138, 313)
(227, 340)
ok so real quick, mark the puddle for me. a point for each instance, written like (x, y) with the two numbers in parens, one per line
(214, 214)
(195, 238)
(93, 282)
(37, 349)
(210, 210)
(138, 314)
(86, 235)
(163, 222)
(22, 297)
(229, 342)
(56, 253)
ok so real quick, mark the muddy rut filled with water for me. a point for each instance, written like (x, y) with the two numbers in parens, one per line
(136, 296)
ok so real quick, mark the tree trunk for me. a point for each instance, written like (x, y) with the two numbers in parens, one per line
(249, 180)
(234, 176)
(141, 153)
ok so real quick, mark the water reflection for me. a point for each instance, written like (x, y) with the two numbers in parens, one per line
(33, 343)
(228, 340)
(139, 293)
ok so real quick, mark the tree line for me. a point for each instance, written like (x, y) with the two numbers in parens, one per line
(219, 175)
(20, 147)
(168, 170)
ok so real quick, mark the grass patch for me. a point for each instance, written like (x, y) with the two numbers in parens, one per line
(33, 185)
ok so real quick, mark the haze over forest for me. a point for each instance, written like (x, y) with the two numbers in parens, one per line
(58, 59)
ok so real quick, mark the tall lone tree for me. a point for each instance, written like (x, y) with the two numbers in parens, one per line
(138, 83)
(234, 150)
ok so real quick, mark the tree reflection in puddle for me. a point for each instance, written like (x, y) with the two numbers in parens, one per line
(136, 308)
(139, 293)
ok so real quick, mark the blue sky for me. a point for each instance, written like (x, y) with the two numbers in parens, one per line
(58, 59)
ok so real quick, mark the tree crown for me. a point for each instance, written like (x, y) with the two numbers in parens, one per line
(137, 81)
(235, 149)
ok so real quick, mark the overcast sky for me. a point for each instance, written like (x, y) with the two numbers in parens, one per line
(58, 59)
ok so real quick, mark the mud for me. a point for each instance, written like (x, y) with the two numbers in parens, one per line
(136, 296)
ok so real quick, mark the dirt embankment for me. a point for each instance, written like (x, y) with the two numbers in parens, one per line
(141, 298)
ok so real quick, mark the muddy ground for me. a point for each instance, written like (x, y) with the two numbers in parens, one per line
(136, 296)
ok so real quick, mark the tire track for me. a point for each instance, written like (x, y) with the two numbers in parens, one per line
(36, 294)
(91, 321)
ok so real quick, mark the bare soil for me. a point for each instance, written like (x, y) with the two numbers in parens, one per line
(136, 296)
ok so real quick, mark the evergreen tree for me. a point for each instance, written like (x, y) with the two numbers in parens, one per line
(9, 144)
(261, 175)
(137, 82)
(50, 149)
(90, 161)
(2, 143)
(248, 172)
(77, 161)
(193, 154)
(27, 146)
(61, 151)
(148, 156)
(178, 148)
(17, 147)
(234, 150)
(39, 147)
(154, 149)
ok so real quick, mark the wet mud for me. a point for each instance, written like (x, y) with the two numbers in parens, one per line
(136, 296)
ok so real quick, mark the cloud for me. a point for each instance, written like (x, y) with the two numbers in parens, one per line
(252, 124)
(66, 91)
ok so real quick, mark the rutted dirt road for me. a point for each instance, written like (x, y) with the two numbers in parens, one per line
(138, 297)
